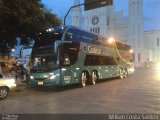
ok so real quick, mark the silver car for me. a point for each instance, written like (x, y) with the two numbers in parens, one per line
(6, 83)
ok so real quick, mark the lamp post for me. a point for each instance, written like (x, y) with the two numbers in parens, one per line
(70, 10)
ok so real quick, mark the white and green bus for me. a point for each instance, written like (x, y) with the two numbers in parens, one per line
(70, 55)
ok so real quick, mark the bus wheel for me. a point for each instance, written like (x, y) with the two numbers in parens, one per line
(83, 79)
(4, 92)
(94, 78)
(121, 73)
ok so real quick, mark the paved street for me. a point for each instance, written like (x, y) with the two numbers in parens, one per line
(139, 93)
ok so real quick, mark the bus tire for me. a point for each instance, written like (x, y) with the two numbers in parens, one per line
(83, 79)
(121, 73)
(94, 78)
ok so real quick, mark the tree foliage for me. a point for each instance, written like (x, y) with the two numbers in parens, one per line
(23, 19)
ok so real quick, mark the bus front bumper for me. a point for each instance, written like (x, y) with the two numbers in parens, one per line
(55, 82)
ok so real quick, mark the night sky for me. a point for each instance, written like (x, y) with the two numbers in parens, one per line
(151, 10)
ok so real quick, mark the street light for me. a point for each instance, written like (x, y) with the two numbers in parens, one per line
(13, 50)
(111, 40)
(70, 10)
(131, 51)
(50, 29)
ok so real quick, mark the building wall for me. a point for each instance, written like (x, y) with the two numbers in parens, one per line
(136, 30)
(120, 27)
(152, 45)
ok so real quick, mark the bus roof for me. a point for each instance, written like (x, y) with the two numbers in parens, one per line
(79, 35)
(99, 39)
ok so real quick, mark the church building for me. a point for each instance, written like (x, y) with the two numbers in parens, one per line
(100, 17)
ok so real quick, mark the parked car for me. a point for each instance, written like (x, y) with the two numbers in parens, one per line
(6, 83)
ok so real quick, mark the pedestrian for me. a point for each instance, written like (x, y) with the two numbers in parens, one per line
(23, 73)
(14, 72)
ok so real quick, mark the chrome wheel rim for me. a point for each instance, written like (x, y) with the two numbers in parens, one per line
(94, 78)
(84, 79)
(121, 74)
(3, 93)
(125, 73)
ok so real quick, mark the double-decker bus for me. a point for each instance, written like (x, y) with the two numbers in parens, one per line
(70, 55)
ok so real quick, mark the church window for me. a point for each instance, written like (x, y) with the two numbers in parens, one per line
(133, 28)
(139, 57)
(157, 42)
(133, 8)
(91, 29)
(139, 7)
(95, 30)
(138, 30)
(107, 20)
(133, 56)
(98, 30)
(139, 43)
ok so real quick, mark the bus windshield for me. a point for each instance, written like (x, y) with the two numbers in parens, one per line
(44, 59)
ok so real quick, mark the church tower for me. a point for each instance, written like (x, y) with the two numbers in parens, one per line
(77, 15)
(136, 30)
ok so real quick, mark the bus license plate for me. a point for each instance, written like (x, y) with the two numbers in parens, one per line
(40, 83)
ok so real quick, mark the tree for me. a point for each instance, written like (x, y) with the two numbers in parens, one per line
(23, 19)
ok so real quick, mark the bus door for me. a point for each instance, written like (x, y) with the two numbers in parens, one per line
(66, 69)
(69, 57)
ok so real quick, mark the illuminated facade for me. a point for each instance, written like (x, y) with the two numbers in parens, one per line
(152, 45)
(104, 20)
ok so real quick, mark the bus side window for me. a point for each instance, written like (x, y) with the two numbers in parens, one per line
(66, 60)
(69, 59)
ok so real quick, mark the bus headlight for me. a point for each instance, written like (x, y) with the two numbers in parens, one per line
(31, 77)
(52, 76)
